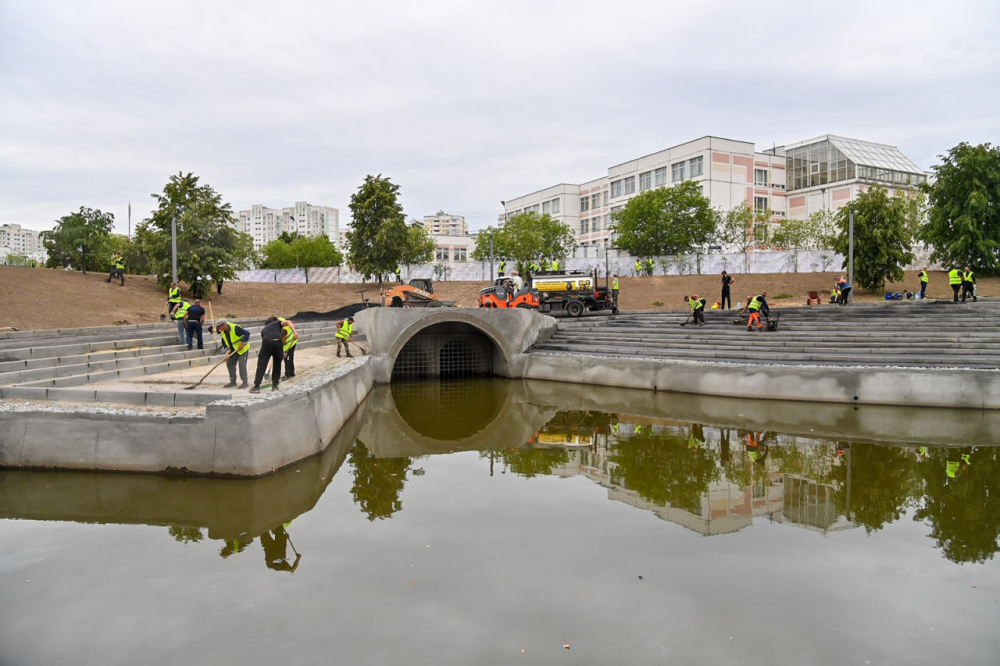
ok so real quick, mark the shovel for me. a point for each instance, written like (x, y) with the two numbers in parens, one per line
(188, 388)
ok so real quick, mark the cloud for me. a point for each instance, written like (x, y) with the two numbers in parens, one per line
(461, 103)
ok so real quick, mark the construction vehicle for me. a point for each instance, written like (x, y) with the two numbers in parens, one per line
(571, 292)
(417, 293)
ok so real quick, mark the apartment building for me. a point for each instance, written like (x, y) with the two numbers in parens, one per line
(266, 224)
(16, 240)
(446, 224)
(830, 172)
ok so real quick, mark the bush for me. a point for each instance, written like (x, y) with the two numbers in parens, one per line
(783, 294)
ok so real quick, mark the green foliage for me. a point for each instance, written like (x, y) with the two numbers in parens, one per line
(964, 217)
(18, 259)
(884, 481)
(525, 238)
(665, 220)
(419, 246)
(80, 240)
(378, 237)
(798, 235)
(735, 228)
(882, 238)
(377, 482)
(782, 295)
(300, 252)
(207, 241)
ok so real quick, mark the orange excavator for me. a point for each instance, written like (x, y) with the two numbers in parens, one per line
(417, 293)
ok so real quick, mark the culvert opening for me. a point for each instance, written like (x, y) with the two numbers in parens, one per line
(448, 349)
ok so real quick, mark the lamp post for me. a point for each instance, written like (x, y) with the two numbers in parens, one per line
(850, 258)
(173, 246)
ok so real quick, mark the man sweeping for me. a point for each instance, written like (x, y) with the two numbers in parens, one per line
(236, 340)
(697, 306)
(344, 333)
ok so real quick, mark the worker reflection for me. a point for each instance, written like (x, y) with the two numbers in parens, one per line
(234, 546)
(755, 446)
(955, 468)
(276, 543)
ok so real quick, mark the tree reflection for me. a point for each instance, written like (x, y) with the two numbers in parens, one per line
(666, 469)
(377, 482)
(884, 483)
(530, 461)
(962, 501)
(186, 534)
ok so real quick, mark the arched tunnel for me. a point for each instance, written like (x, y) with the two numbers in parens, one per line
(446, 349)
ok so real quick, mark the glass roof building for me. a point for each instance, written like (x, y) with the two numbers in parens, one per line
(834, 159)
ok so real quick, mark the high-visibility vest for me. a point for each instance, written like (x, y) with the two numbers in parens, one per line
(179, 312)
(503, 266)
(535, 267)
(638, 265)
(755, 303)
(292, 339)
(120, 264)
(967, 276)
(614, 284)
(695, 303)
(233, 341)
(954, 276)
(923, 276)
(174, 295)
(345, 331)
(555, 264)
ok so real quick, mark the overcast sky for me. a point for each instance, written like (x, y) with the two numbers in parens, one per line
(463, 104)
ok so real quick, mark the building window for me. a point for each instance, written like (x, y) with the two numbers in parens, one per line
(645, 181)
(616, 188)
(595, 223)
(660, 177)
(760, 177)
(555, 206)
(441, 254)
(605, 197)
(546, 207)
(461, 254)
(584, 226)
(679, 171)
(628, 185)
(595, 201)
(760, 204)
(696, 166)
(760, 233)
(584, 204)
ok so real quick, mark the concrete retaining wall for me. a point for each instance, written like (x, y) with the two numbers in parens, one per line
(248, 437)
(954, 388)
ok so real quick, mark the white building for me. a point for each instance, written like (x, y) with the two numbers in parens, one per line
(446, 224)
(16, 240)
(453, 247)
(730, 172)
(266, 224)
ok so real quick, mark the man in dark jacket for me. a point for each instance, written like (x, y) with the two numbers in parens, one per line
(194, 320)
(270, 351)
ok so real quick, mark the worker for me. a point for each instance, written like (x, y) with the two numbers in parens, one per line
(968, 284)
(727, 300)
(344, 334)
(845, 290)
(544, 261)
(923, 283)
(275, 548)
(835, 292)
(614, 290)
(502, 268)
(638, 267)
(218, 286)
(120, 267)
(194, 320)
(649, 265)
(236, 340)
(555, 264)
(173, 298)
(697, 308)
(177, 315)
(755, 306)
(952, 468)
(399, 275)
(955, 280)
(517, 282)
(289, 340)
(270, 353)
(533, 268)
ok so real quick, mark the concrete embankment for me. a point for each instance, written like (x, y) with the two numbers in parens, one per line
(248, 437)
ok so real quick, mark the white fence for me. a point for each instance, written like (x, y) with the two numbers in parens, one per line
(810, 261)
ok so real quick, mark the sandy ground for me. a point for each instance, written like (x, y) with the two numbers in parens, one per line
(41, 298)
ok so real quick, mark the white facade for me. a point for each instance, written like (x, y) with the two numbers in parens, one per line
(730, 173)
(453, 248)
(16, 240)
(266, 224)
(442, 223)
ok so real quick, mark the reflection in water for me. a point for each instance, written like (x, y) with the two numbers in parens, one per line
(660, 453)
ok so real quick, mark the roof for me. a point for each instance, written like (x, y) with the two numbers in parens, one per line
(866, 153)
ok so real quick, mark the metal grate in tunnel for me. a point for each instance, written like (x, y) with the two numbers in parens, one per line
(453, 350)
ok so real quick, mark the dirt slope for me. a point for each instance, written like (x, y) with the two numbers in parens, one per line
(43, 298)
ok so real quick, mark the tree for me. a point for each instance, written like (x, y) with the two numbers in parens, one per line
(79, 239)
(964, 217)
(419, 247)
(882, 239)
(665, 221)
(482, 251)
(526, 237)
(207, 241)
(378, 236)
(796, 235)
(377, 482)
(300, 252)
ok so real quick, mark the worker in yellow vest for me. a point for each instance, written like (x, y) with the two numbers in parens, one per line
(968, 284)
(173, 298)
(955, 280)
(344, 333)
(289, 338)
(697, 306)
(614, 290)
(924, 279)
(236, 340)
(178, 316)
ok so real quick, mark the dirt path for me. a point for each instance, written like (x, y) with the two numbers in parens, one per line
(42, 298)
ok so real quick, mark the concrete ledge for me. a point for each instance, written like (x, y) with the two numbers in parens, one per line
(872, 385)
(244, 437)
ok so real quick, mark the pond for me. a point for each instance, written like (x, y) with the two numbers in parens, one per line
(487, 521)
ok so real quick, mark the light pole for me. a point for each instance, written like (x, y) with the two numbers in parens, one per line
(173, 246)
(850, 258)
